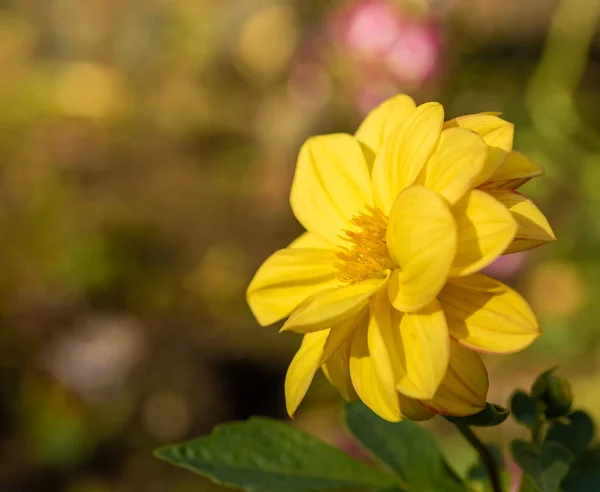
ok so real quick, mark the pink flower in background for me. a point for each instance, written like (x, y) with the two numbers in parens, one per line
(507, 266)
(369, 29)
(414, 57)
(388, 48)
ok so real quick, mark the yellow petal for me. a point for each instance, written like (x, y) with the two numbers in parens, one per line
(303, 367)
(515, 171)
(421, 239)
(533, 228)
(331, 306)
(414, 409)
(497, 133)
(331, 184)
(380, 122)
(383, 337)
(308, 240)
(337, 371)
(315, 350)
(485, 229)
(286, 279)
(486, 315)
(464, 389)
(378, 395)
(456, 163)
(405, 153)
(425, 341)
(408, 350)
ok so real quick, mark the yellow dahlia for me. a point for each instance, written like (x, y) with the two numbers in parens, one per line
(383, 284)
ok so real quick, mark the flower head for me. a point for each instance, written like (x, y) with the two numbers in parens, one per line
(384, 286)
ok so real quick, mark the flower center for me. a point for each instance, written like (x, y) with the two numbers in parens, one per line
(366, 256)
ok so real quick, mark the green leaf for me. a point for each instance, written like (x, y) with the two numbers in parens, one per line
(584, 475)
(405, 448)
(478, 471)
(490, 416)
(267, 455)
(524, 408)
(547, 467)
(575, 433)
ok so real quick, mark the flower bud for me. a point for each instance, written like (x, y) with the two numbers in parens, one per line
(554, 392)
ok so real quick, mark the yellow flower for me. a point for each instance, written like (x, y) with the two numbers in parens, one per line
(383, 284)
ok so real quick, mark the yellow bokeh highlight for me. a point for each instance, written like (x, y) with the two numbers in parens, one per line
(267, 42)
(89, 90)
(556, 289)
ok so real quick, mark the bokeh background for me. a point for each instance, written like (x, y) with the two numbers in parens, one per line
(146, 153)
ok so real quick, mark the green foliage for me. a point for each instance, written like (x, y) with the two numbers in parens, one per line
(584, 475)
(478, 472)
(491, 416)
(405, 448)
(266, 455)
(575, 432)
(546, 466)
(523, 408)
(561, 455)
(554, 392)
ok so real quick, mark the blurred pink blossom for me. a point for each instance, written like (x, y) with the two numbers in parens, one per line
(387, 49)
(507, 266)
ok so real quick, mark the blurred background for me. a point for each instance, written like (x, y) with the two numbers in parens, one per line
(146, 154)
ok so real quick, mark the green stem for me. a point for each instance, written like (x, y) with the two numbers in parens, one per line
(485, 455)
(537, 433)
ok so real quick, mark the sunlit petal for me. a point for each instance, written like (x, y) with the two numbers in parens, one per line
(425, 340)
(379, 395)
(316, 349)
(331, 306)
(484, 314)
(464, 389)
(286, 279)
(405, 152)
(308, 240)
(382, 120)
(409, 350)
(515, 171)
(337, 371)
(456, 164)
(533, 227)
(421, 239)
(485, 229)
(331, 184)
(497, 133)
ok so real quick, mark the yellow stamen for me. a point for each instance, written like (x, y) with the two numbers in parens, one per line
(367, 255)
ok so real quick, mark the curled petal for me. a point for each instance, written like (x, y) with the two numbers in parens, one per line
(456, 163)
(533, 228)
(497, 133)
(425, 341)
(331, 184)
(409, 350)
(405, 153)
(486, 315)
(464, 389)
(337, 371)
(378, 394)
(485, 229)
(414, 409)
(382, 120)
(286, 279)
(331, 306)
(316, 349)
(515, 171)
(421, 239)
